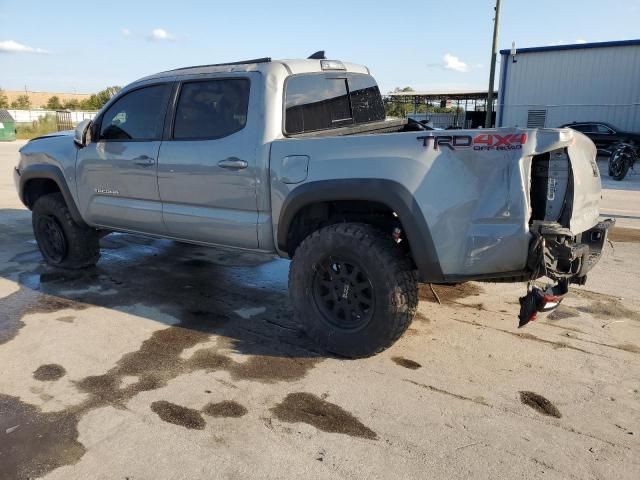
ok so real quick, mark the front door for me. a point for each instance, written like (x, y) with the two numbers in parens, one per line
(117, 172)
(207, 167)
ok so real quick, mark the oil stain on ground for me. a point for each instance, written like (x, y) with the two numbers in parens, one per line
(539, 404)
(227, 408)
(622, 234)
(49, 372)
(38, 442)
(448, 293)
(611, 308)
(178, 415)
(406, 363)
(328, 417)
(628, 347)
(563, 312)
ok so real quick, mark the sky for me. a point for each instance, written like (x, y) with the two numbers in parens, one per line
(84, 46)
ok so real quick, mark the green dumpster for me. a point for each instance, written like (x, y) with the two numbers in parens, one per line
(7, 127)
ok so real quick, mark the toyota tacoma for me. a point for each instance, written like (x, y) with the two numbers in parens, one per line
(296, 157)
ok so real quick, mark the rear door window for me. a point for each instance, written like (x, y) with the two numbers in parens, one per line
(321, 101)
(211, 109)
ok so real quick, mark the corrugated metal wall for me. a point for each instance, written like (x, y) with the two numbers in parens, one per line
(597, 84)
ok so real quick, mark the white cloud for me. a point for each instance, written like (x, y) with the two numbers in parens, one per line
(10, 46)
(451, 62)
(160, 34)
(125, 32)
(580, 40)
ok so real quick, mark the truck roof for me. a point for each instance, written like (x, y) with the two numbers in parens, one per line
(265, 65)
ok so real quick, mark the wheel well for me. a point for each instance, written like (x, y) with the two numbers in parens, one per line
(318, 215)
(38, 187)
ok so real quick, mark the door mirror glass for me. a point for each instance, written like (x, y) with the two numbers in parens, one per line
(80, 134)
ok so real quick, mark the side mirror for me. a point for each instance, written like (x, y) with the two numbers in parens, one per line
(80, 134)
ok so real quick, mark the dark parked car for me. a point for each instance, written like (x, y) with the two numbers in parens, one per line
(604, 135)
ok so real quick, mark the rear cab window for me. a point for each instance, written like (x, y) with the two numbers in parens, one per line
(321, 101)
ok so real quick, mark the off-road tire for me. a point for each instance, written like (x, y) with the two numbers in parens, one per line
(392, 277)
(63, 242)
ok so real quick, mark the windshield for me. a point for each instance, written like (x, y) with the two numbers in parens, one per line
(320, 101)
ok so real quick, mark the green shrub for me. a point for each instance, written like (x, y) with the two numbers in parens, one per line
(42, 126)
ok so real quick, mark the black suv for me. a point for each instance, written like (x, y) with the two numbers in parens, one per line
(604, 135)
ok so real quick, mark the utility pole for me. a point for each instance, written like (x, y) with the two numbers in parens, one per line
(492, 69)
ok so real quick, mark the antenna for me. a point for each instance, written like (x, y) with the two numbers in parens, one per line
(319, 55)
(513, 51)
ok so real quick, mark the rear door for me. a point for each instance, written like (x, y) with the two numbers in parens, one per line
(207, 167)
(117, 171)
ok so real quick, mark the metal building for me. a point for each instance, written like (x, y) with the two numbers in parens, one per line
(551, 86)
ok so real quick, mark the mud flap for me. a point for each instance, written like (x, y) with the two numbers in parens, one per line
(539, 300)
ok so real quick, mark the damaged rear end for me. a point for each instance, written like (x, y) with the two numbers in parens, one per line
(567, 236)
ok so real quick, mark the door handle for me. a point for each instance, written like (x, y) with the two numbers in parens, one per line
(144, 161)
(233, 163)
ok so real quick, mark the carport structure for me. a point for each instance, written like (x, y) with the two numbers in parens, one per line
(459, 98)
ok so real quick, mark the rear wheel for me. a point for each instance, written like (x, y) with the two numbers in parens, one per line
(63, 242)
(354, 290)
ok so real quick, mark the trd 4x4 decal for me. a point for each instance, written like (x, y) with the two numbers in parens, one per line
(483, 141)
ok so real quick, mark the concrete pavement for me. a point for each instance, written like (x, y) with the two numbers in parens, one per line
(170, 361)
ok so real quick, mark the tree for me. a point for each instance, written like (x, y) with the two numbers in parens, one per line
(97, 100)
(71, 104)
(23, 102)
(54, 103)
(4, 101)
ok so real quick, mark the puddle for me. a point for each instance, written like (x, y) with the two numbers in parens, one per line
(328, 417)
(202, 295)
(178, 415)
(448, 293)
(406, 363)
(227, 408)
(539, 404)
(49, 372)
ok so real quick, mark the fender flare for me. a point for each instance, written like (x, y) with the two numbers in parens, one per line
(389, 192)
(49, 172)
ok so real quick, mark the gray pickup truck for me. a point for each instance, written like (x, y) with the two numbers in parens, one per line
(296, 157)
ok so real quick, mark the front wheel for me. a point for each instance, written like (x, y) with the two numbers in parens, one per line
(354, 290)
(63, 242)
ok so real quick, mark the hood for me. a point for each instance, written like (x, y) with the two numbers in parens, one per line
(64, 133)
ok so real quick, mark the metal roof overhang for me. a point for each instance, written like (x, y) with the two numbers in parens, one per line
(440, 95)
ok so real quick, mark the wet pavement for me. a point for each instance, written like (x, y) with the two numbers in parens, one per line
(176, 361)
